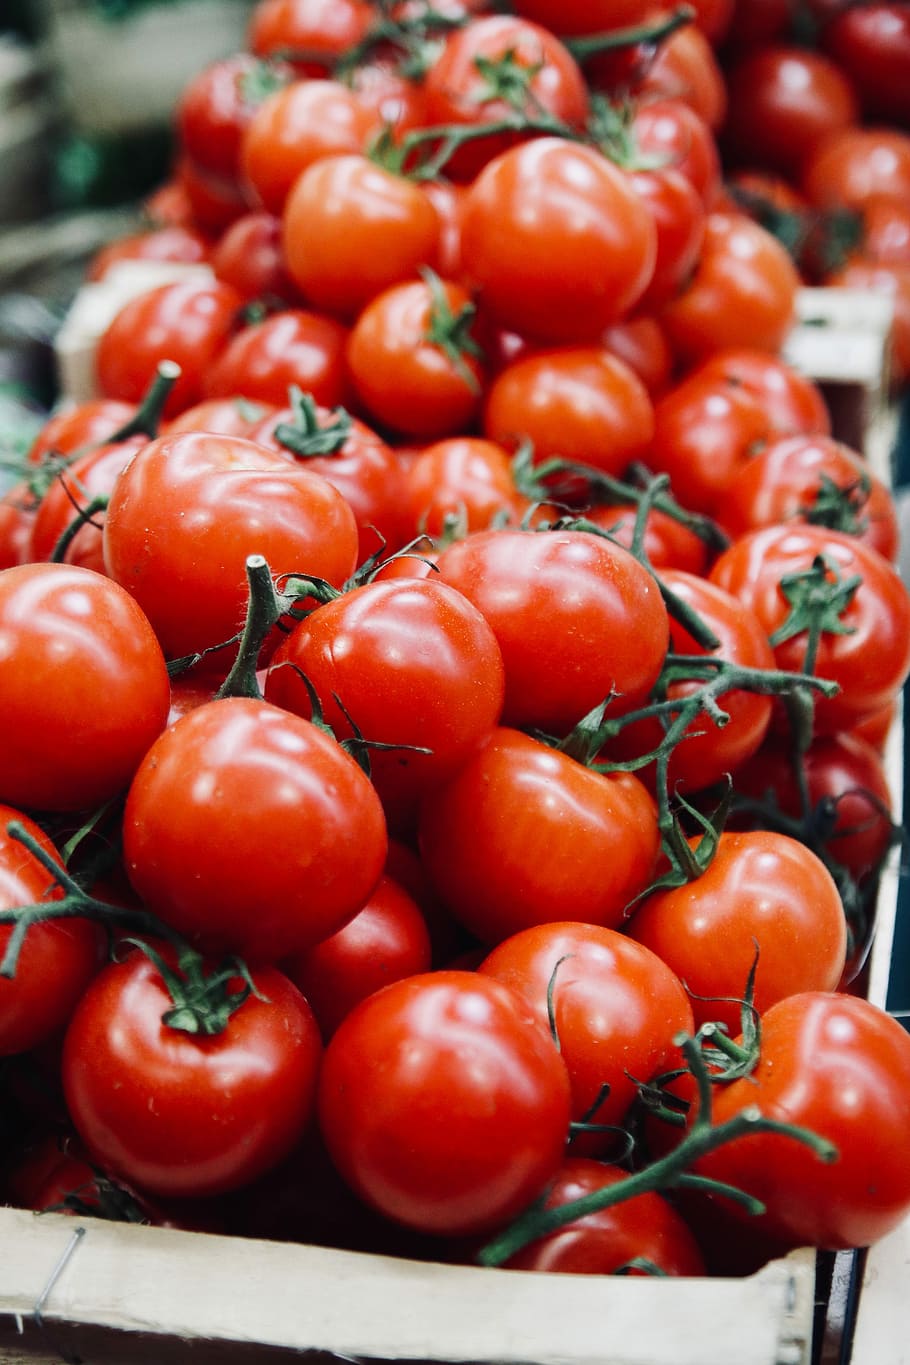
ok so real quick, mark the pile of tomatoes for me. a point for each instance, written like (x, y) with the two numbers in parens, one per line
(445, 674)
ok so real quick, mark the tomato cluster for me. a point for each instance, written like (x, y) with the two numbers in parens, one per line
(450, 659)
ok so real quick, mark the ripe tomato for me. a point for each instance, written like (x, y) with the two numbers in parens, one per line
(582, 16)
(176, 1114)
(679, 217)
(871, 46)
(556, 241)
(191, 508)
(871, 659)
(219, 759)
(187, 322)
(670, 132)
(841, 1067)
(685, 67)
(351, 229)
(522, 831)
(762, 892)
(641, 343)
(17, 517)
(85, 424)
(174, 243)
(83, 637)
(58, 958)
(577, 619)
(90, 476)
(249, 258)
(668, 544)
(388, 940)
(217, 105)
(791, 402)
(413, 365)
(576, 403)
(220, 416)
(855, 163)
(616, 1007)
(292, 347)
(464, 478)
(646, 1228)
(444, 1103)
(743, 292)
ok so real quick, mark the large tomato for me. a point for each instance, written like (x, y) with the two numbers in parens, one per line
(70, 637)
(177, 1114)
(444, 1103)
(225, 783)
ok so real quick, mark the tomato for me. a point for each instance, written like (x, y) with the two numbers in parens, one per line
(556, 241)
(885, 233)
(313, 34)
(85, 424)
(209, 784)
(871, 45)
(686, 68)
(68, 637)
(444, 1103)
(412, 663)
(671, 133)
(495, 67)
(855, 163)
(522, 831)
(294, 346)
(577, 618)
(576, 403)
(787, 481)
(88, 477)
(784, 101)
(841, 1067)
(679, 217)
(644, 1228)
(792, 402)
(869, 653)
(707, 751)
(386, 941)
(464, 478)
(58, 957)
(762, 892)
(187, 322)
(249, 258)
(176, 1114)
(574, 17)
(17, 517)
(220, 416)
(191, 508)
(616, 1009)
(187, 245)
(365, 471)
(217, 105)
(214, 202)
(351, 229)
(640, 342)
(295, 127)
(413, 366)
(743, 292)
(668, 543)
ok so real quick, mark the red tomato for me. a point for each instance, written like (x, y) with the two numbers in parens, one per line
(220, 417)
(869, 653)
(314, 33)
(17, 517)
(176, 1114)
(217, 105)
(577, 619)
(173, 243)
(351, 229)
(841, 1067)
(791, 402)
(249, 258)
(413, 366)
(464, 479)
(708, 752)
(668, 544)
(790, 480)
(576, 403)
(85, 638)
(616, 1008)
(221, 759)
(556, 241)
(293, 346)
(573, 17)
(74, 427)
(522, 831)
(743, 292)
(672, 133)
(646, 1227)
(871, 45)
(855, 163)
(495, 67)
(191, 508)
(784, 101)
(214, 202)
(388, 940)
(58, 957)
(885, 236)
(444, 1103)
(679, 217)
(641, 343)
(762, 892)
(686, 68)
(188, 322)
(88, 477)
(413, 663)
(295, 127)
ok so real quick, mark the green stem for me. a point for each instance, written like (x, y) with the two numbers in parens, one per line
(652, 34)
(97, 504)
(264, 611)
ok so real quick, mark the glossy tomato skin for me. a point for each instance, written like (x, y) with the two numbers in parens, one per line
(646, 1227)
(220, 759)
(871, 45)
(444, 1103)
(187, 322)
(89, 476)
(58, 957)
(522, 831)
(574, 403)
(248, 257)
(462, 477)
(577, 618)
(216, 106)
(793, 404)
(556, 241)
(17, 518)
(84, 637)
(86, 424)
(187, 245)
(762, 892)
(320, 31)
(175, 1114)
(870, 660)
(855, 163)
(668, 544)
(293, 346)
(673, 133)
(191, 508)
(617, 1008)
(840, 1066)
(679, 217)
